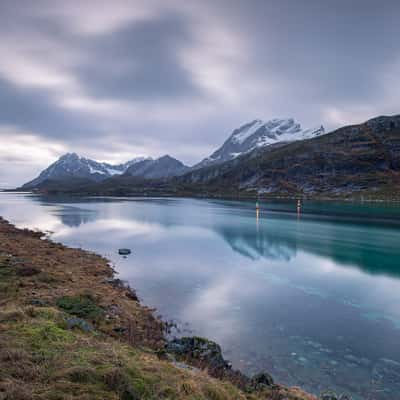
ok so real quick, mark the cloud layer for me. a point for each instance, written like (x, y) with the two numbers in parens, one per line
(112, 80)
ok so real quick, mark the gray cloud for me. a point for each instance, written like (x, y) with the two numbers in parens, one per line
(116, 79)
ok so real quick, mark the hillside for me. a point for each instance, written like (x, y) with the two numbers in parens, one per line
(70, 330)
(351, 161)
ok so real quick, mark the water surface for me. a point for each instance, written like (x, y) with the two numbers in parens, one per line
(314, 297)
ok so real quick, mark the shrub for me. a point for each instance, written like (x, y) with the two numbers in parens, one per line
(83, 306)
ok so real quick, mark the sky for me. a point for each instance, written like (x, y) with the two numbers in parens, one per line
(112, 80)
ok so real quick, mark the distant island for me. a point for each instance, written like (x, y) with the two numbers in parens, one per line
(276, 158)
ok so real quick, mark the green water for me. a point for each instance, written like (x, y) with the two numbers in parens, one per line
(314, 297)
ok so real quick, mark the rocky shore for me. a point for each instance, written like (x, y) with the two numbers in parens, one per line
(70, 330)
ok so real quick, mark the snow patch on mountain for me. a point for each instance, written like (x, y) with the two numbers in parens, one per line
(257, 134)
(248, 130)
(71, 165)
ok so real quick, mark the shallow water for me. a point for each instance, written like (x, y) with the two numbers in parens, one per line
(314, 297)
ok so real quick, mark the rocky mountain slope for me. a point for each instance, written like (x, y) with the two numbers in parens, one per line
(258, 134)
(361, 158)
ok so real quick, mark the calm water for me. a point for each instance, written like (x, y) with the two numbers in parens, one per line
(314, 299)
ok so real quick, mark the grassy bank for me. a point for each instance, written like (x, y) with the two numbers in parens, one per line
(69, 330)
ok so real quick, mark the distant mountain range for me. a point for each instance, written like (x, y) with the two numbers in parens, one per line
(252, 135)
(273, 158)
(71, 167)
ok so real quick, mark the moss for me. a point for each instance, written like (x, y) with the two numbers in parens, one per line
(46, 338)
(83, 306)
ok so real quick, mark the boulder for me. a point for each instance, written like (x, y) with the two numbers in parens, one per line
(79, 323)
(124, 252)
(261, 379)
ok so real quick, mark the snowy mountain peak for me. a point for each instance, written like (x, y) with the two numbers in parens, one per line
(71, 165)
(258, 133)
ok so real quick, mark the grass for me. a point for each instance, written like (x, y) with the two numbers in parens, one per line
(42, 359)
(51, 362)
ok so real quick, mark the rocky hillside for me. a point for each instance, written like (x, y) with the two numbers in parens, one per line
(359, 159)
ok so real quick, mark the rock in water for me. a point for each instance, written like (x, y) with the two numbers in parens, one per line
(124, 252)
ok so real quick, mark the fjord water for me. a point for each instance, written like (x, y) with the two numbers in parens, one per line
(314, 298)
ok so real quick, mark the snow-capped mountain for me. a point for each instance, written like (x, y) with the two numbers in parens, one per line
(71, 165)
(257, 134)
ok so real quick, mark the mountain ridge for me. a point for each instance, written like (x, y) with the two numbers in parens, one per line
(258, 134)
(71, 166)
(357, 160)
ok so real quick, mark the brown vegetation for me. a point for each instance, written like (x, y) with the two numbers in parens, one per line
(69, 330)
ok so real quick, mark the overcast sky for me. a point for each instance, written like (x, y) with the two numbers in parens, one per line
(114, 79)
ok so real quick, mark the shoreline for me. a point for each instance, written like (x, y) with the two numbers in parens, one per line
(78, 289)
(249, 197)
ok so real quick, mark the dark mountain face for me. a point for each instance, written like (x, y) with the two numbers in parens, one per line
(259, 134)
(71, 166)
(359, 158)
(163, 167)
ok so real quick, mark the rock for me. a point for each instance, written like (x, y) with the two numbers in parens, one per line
(206, 354)
(261, 379)
(27, 271)
(79, 323)
(131, 294)
(202, 350)
(124, 252)
(328, 395)
(38, 303)
(120, 330)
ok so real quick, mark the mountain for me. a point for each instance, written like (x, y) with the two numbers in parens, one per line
(162, 167)
(354, 162)
(257, 134)
(358, 159)
(71, 166)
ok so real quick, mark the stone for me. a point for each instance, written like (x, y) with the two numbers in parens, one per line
(328, 395)
(38, 303)
(79, 323)
(124, 252)
(262, 379)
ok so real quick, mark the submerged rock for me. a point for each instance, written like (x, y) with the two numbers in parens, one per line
(328, 395)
